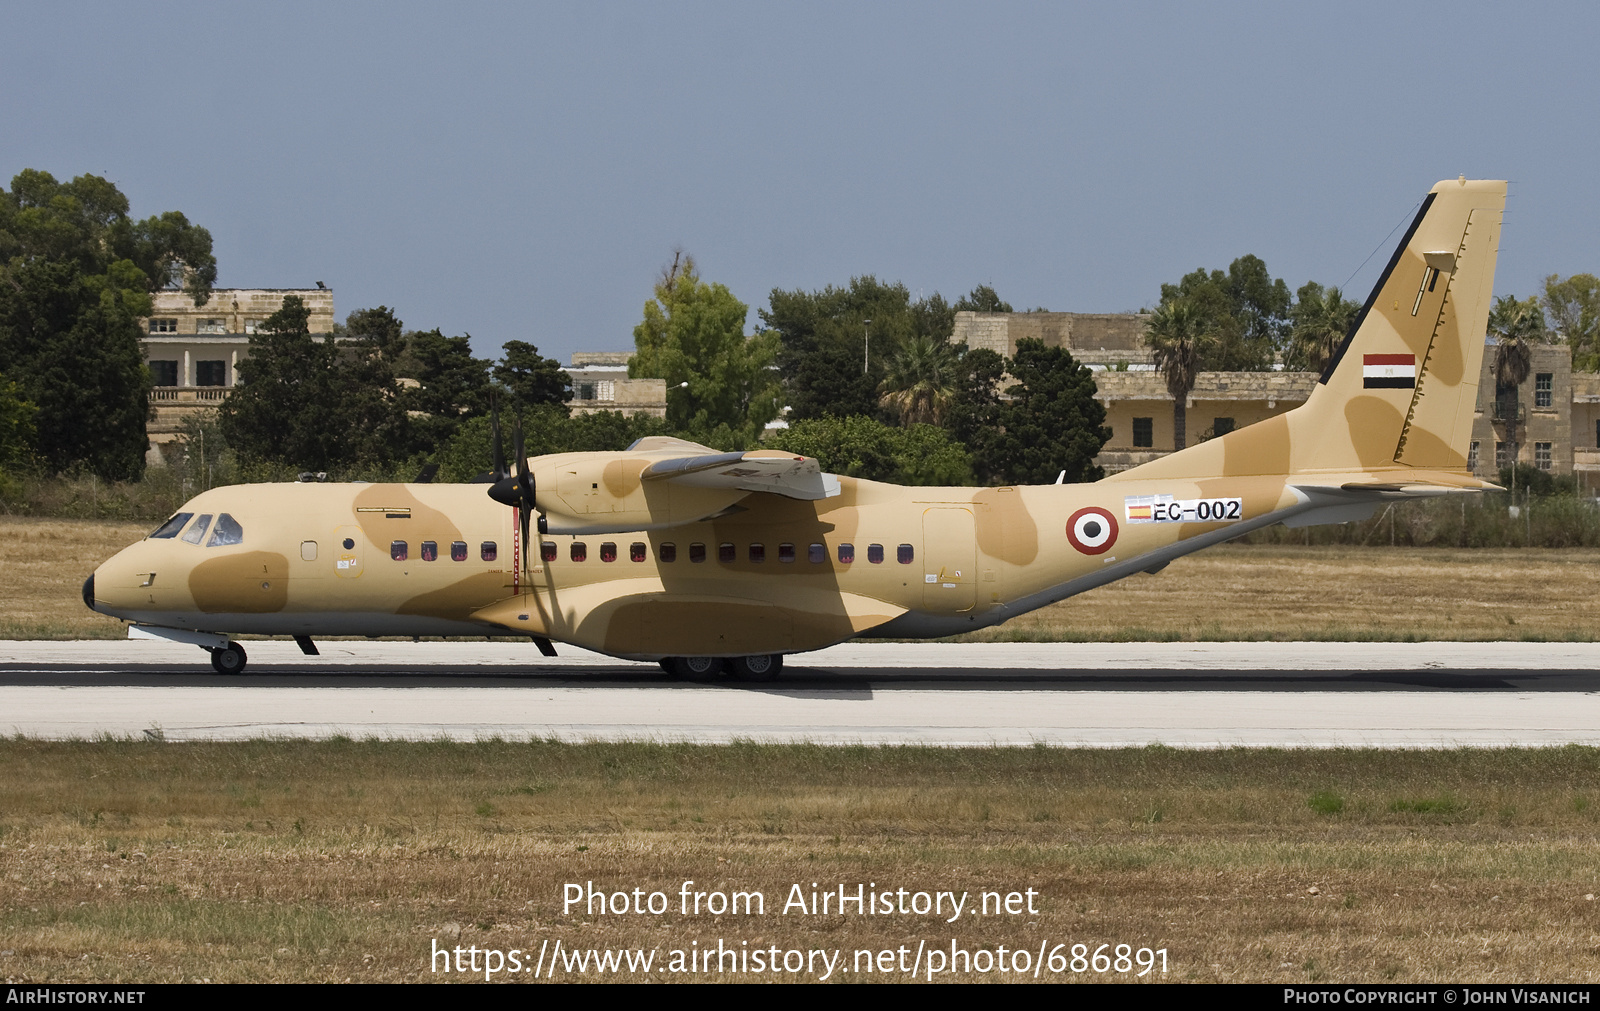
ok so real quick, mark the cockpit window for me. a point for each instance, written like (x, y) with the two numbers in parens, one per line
(197, 530)
(227, 531)
(171, 527)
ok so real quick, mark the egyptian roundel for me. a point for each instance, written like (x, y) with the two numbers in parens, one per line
(1092, 530)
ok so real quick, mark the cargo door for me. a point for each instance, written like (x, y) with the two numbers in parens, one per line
(949, 557)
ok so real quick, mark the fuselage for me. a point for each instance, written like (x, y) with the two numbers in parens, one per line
(772, 575)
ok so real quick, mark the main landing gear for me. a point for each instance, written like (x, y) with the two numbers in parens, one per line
(229, 659)
(761, 667)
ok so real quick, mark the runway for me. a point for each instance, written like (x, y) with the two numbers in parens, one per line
(1096, 694)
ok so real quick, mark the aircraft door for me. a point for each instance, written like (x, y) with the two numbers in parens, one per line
(949, 560)
(346, 552)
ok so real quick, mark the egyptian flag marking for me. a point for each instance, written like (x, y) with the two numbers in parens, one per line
(1389, 372)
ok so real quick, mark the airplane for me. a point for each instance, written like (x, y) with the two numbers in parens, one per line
(703, 561)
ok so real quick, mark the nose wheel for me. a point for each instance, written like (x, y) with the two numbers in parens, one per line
(229, 659)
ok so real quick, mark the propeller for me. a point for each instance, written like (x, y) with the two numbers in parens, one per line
(515, 489)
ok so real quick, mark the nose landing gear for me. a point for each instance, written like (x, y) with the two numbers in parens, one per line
(229, 659)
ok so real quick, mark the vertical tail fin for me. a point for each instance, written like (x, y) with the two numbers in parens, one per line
(1399, 394)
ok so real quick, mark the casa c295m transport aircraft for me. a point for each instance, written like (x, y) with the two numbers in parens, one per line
(672, 552)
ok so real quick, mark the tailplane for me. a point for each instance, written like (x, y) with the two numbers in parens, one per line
(1395, 404)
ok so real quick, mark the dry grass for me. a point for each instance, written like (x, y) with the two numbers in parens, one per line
(1334, 593)
(344, 860)
(1232, 592)
(45, 563)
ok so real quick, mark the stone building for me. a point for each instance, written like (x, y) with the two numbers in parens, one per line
(194, 351)
(1552, 420)
(600, 383)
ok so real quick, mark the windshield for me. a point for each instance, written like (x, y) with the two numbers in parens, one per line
(171, 527)
(227, 531)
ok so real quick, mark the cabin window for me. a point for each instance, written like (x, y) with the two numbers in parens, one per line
(488, 551)
(608, 551)
(668, 552)
(458, 551)
(758, 552)
(847, 553)
(308, 551)
(697, 552)
(227, 531)
(197, 531)
(430, 551)
(637, 552)
(904, 554)
(786, 552)
(816, 554)
(397, 550)
(875, 554)
(727, 553)
(547, 551)
(1144, 433)
(171, 527)
(579, 552)
(349, 543)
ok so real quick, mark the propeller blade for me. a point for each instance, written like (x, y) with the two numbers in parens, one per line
(526, 502)
(500, 470)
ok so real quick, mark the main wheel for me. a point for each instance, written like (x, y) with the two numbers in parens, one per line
(761, 667)
(229, 659)
(697, 666)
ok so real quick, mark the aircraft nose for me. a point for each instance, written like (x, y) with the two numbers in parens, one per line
(88, 593)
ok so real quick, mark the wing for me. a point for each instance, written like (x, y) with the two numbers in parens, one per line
(765, 470)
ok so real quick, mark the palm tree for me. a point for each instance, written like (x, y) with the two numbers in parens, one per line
(921, 381)
(1321, 320)
(1516, 327)
(1176, 341)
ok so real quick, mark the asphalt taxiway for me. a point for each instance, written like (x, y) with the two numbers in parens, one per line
(1094, 694)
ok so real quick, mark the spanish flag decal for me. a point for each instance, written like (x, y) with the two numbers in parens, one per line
(1389, 372)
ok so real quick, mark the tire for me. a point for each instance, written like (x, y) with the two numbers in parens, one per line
(697, 666)
(229, 659)
(761, 667)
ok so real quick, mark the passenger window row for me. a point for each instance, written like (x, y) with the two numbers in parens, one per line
(727, 552)
(399, 550)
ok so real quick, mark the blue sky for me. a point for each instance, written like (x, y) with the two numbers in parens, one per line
(521, 171)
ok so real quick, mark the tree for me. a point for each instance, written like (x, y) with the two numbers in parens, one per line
(921, 381)
(452, 385)
(1572, 307)
(532, 378)
(974, 415)
(1244, 312)
(1516, 326)
(858, 446)
(1051, 420)
(835, 343)
(693, 333)
(305, 403)
(71, 342)
(1177, 340)
(16, 426)
(1318, 324)
(982, 299)
(76, 275)
(546, 429)
(86, 221)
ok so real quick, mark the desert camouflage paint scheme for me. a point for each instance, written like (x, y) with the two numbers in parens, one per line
(1390, 419)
